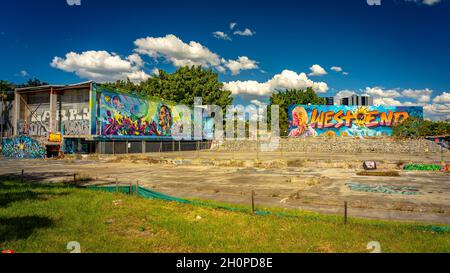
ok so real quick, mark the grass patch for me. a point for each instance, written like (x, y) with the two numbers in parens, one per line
(379, 173)
(44, 218)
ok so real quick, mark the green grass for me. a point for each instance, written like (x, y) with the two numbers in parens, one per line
(44, 218)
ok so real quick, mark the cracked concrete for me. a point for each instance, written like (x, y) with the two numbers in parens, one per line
(321, 188)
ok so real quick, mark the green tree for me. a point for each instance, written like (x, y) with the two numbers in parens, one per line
(289, 97)
(6, 90)
(182, 86)
(414, 127)
(185, 84)
(32, 83)
(125, 86)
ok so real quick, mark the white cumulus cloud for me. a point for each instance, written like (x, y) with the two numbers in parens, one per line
(245, 32)
(443, 98)
(101, 66)
(421, 95)
(286, 80)
(382, 93)
(242, 63)
(317, 70)
(174, 50)
(221, 35)
(336, 68)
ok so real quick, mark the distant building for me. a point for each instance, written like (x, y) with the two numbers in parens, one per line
(356, 100)
(344, 101)
(329, 100)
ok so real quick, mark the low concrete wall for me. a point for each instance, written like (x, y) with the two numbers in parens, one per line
(339, 145)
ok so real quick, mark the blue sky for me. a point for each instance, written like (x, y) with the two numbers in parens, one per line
(397, 51)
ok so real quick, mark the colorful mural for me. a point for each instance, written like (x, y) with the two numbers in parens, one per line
(322, 120)
(22, 147)
(130, 116)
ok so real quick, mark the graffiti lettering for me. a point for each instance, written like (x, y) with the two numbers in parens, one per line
(76, 127)
(63, 115)
(33, 129)
(347, 120)
(369, 118)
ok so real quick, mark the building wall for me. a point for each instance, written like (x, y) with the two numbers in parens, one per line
(70, 113)
(316, 120)
(133, 117)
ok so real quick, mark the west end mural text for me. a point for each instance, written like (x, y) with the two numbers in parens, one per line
(315, 120)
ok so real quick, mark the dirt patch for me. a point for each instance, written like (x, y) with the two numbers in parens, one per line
(379, 173)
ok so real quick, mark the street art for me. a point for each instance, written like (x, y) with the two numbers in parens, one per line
(63, 115)
(424, 167)
(321, 120)
(74, 122)
(132, 116)
(22, 147)
(34, 129)
(54, 138)
(75, 127)
(377, 188)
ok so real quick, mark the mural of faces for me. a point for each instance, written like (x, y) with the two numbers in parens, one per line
(165, 120)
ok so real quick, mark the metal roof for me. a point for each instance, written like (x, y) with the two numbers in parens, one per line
(54, 87)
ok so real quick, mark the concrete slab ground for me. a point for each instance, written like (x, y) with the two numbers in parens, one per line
(316, 183)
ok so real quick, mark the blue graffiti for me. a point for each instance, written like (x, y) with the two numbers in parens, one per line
(22, 147)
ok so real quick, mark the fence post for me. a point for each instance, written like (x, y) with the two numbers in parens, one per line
(131, 188)
(137, 188)
(117, 185)
(21, 176)
(74, 178)
(345, 212)
(253, 202)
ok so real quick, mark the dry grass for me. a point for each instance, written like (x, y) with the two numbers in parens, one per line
(379, 173)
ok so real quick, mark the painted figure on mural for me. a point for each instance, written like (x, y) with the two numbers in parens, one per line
(301, 124)
(164, 120)
(117, 103)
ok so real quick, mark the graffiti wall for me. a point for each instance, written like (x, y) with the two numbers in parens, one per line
(131, 116)
(322, 120)
(71, 114)
(22, 147)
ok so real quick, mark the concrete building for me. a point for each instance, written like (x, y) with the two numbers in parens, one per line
(73, 119)
(356, 100)
(6, 111)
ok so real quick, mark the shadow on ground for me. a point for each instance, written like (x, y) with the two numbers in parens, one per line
(18, 192)
(16, 228)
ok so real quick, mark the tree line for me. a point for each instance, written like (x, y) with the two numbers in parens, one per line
(186, 83)
(414, 127)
